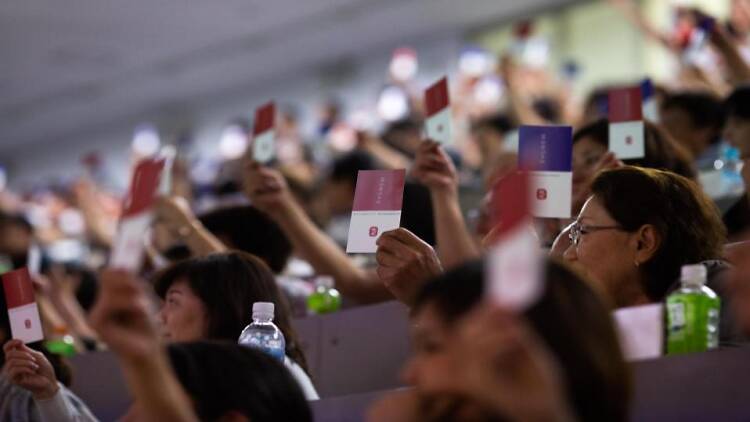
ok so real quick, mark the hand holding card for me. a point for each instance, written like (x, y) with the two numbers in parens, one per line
(264, 134)
(128, 248)
(25, 324)
(438, 110)
(377, 208)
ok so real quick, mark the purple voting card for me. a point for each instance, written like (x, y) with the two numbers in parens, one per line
(546, 153)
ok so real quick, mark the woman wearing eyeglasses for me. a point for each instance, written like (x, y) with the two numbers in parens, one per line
(638, 228)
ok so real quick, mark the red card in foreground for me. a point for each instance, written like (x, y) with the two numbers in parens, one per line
(264, 134)
(514, 278)
(437, 107)
(25, 324)
(128, 248)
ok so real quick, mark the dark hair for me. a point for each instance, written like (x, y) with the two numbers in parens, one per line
(250, 230)
(570, 318)
(661, 150)
(224, 377)
(417, 215)
(228, 284)
(346, 167)
(548, 109)
(738, 103)
(704, 110)
(687, 221)
(499, 122)
(15, 220)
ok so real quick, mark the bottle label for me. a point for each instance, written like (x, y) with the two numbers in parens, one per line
(676, 316)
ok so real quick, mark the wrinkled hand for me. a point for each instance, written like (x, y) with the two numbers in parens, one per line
(582, 190)
(499, 361)
(175, 213)
(405, 263)
(434, 168)
(266, 188)
(122, 319)
(30, 370)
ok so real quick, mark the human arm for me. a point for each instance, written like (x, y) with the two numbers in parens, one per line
(121, 318)
(434, 169)
(174, 212)
(405, 263)
(267, 190)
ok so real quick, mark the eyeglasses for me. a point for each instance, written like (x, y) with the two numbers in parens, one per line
(577, 229)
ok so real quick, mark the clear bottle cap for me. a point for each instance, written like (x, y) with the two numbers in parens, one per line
(263, 309)
(693, 275)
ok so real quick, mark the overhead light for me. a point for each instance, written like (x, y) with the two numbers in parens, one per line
(233, 142)
(475, 62)
(404, 64)
(146, 140)
(393, 104)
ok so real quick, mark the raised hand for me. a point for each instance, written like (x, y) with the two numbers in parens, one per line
(405, 263)
(434, 168)
(266, 189)
(30, 370)
(122, 319)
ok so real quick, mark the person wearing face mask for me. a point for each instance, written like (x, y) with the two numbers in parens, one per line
(471, 363)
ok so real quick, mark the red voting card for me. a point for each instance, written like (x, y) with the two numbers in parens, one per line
(377, 208)
(25, 323)
(625, 104)
(626, 129)
(264, 134)
(437, 107)
(513, 262)
(168, 154)
(143, 186)
(128, 248)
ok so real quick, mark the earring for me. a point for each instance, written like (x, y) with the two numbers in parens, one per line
(637, 264)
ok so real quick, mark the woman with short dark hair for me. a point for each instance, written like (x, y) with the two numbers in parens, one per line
(638, 228)
(211, 298)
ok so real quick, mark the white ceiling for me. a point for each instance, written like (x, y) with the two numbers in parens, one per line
(67, 66)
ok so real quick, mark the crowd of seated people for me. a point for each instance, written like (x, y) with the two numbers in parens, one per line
(271, 229)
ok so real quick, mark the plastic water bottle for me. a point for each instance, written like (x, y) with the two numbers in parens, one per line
(692, 314)
(730, 166)
(62, 344)
(325, 299)
(262, 333)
